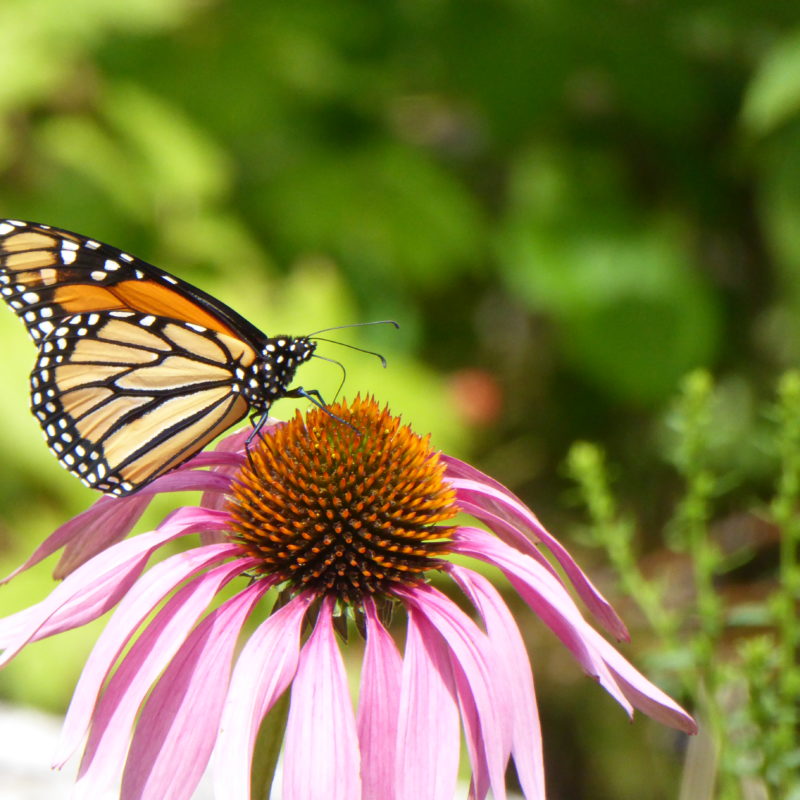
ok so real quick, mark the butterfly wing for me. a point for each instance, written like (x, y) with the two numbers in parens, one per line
(137, 370)
(47, 274)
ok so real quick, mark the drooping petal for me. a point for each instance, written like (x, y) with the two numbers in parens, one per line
(546, 596)
(473, 735)
(99, 584)
(108, 516)
(427, 732)
(124, 512)
(233, 445)
(378, 708)
(264, 669)
(321, 724)
(469, 649)
(111, 519)
(641, 692)
(178, 725)
(115, 713)
(514, 672)
(136, 606)
(491, 502)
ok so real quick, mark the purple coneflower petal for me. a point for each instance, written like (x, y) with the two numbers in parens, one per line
(428, 739)
(546, 596)
(484, 494)
(469, 651)
(641, 692)
(378, 708)
(122, 513)
(548, 599)
(264, 669)
(234, 447)
(111, 519)
(151, 653)
(98, 585)
(513, 671)
(181, 716)
(136, 606)
(321, 724)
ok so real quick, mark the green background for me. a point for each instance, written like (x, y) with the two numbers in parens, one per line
(566, 205)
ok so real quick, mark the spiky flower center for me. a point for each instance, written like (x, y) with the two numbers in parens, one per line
(346, 511)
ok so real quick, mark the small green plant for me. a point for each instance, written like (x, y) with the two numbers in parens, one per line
(745, 686)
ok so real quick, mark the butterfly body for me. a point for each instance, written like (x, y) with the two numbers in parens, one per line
(137, 370)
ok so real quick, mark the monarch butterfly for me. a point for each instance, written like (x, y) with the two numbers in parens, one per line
(137, 370)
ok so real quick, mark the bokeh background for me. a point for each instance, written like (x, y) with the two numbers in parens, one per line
(567, 207)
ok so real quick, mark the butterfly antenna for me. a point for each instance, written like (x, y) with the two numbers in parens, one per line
(351, 347)
(354, 325)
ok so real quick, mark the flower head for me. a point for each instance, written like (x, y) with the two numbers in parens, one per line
(337, 515)
(343, 510)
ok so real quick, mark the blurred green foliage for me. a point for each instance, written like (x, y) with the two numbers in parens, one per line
(567, 206)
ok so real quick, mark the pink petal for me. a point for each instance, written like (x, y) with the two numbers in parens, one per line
(178, 725)
(546, 596)
(105, 518)
(476, 746)
(125, 512)
(513, 670)
(264, 669)
(96, 586)
(111, 519)
(469, 650)
(487, 495)
(428, 741)
(136, 606)
(233, 445)
(151, 653)
(321, 723)
(378, 708)
(644, 695)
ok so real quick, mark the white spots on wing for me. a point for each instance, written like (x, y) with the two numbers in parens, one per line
(111, 265)
(68, 256)
(169, 279)
(98, 275)
(126, 257)
(147, 321)
(91, 244)
(198, 328)
(30, 297)
(5, 228)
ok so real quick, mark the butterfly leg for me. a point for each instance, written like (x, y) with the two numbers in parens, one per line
(316, 398)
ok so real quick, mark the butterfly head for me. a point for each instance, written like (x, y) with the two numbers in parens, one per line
(280, 358)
